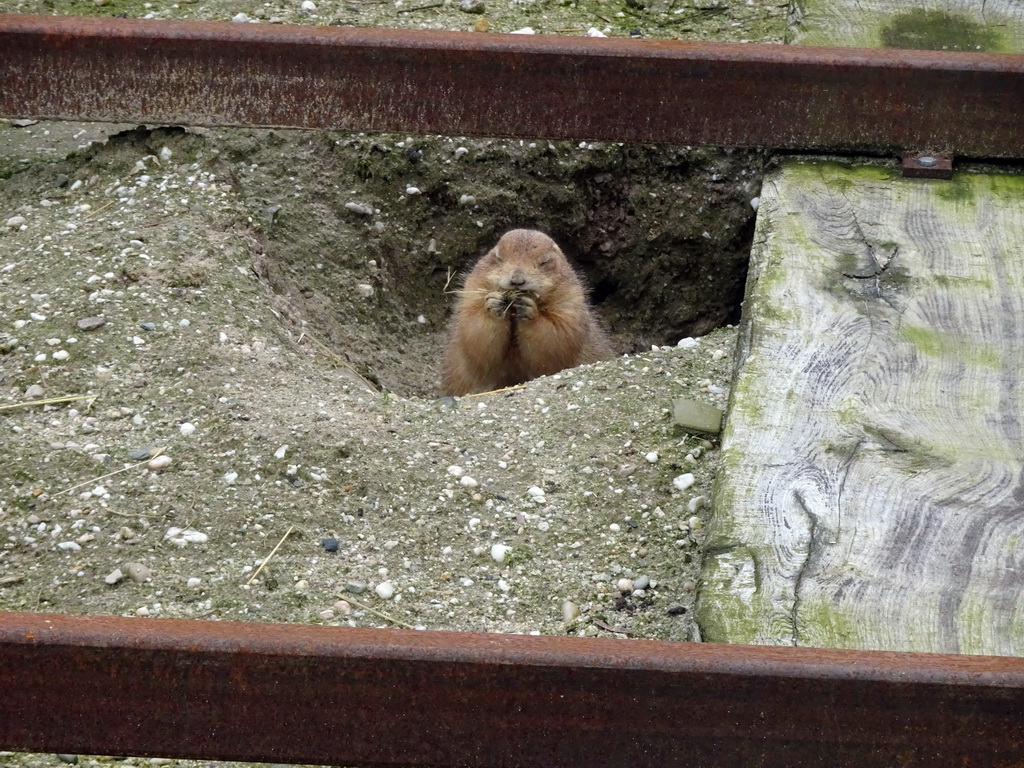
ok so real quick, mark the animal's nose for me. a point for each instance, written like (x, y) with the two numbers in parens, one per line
(517, 279)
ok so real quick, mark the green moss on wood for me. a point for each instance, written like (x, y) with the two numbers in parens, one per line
(822, 624)
(936, 30)
(730, 606)
(959, 189)
(994, 29)
(937, 344)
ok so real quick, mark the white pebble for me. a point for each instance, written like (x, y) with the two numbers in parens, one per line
(460, 152)
(73, 546)
(652, 456)
(165, 152)
(114, 576)
(696, 503)
(61, 354)
(187, 428)
(361, 208)
(99, 491)
(365, 290)
(193, 583)
(15, 221)
(682, 482)
(230, 477)
(308, 6)
(523, 31)
(688, 343)
(595, 32)
(614, 527)
(343, 607)
(755, 202)
(570, 611)
(280, 452)
(181, 537)
(456, 471)
(328, 614)
(467, 200)
(412, 191)
(718, 354)
(159, 462)
(499, 551)
(534, 491)
(421, 320)
(695, 523)
(37, 316)
(624, 585)
(468, 481)
(384, 590)
(239, 18)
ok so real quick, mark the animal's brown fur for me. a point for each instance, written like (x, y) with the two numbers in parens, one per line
(522, 313)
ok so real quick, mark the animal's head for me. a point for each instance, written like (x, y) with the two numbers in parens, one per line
(524, 260)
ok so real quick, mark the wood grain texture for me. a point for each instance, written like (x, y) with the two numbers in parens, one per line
(872, 486)
(996, 26)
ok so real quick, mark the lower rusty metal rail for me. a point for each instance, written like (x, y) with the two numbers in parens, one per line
(784, 97)
(343, 696)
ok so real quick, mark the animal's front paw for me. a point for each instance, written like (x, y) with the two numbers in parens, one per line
(523, 307)
(497, 304)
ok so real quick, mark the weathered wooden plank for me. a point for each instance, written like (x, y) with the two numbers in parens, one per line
(872, 490)
(996, 26)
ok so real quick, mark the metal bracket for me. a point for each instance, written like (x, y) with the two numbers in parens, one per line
(927, 165)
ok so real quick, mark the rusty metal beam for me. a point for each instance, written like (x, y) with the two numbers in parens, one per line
(239, 691)
(785, 97)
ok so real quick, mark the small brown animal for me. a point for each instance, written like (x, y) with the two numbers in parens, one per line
(522, 313)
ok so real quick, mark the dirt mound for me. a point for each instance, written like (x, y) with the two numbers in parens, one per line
(361, 235)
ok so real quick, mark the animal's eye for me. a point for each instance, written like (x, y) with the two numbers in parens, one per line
(543, 260)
